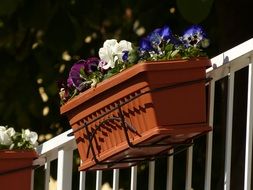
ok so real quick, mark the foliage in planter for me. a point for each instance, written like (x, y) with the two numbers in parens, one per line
(12, 140)
(114, 57)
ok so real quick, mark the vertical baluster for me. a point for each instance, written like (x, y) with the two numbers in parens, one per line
(169, 180)
(98, 180)
(115, 179)
(64, 169)
(188, 180)
(249, 125)
(133, 178)
(82, 180)
(151, 175)
(47, 174)
(209, 139)
(229, 126)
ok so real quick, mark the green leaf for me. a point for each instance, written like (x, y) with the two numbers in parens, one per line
(174, 53)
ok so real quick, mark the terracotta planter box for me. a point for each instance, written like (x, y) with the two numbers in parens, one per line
(157, 104)
(16, 169)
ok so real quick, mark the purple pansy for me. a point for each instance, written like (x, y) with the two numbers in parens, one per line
(75, 78)
(91, 65)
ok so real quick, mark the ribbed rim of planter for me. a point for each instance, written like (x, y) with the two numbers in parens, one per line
(18, 154)
(132, 71)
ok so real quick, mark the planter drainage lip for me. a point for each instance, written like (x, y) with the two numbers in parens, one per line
(131, 72)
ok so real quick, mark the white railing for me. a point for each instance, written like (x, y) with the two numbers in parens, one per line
(225, 65)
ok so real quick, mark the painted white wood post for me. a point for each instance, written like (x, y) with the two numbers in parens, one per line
(229, 126)
(188, 180)
(249, 131)
(99, 180)
(47, 175)
(115, 185)
(209, 139)
(151, 175)
(82, 180)
(170, 171)
(64, 169)
(133, 178)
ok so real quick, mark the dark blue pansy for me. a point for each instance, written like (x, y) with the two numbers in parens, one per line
(154, 39)
(145, 45)
(193, 36)
(164, 32)
(125, 55)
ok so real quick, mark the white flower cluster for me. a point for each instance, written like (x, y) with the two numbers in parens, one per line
(113, 51)
(10, 139)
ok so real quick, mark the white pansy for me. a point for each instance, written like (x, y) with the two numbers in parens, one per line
(113, 51)
(123, 46)
(30, 136)
(106, 55)
(10, 139)
(2, 128)
(33, 138)
(5, 139)
(11, 132)
(111, 44)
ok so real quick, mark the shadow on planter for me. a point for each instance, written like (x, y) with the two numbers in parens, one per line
(140, 113)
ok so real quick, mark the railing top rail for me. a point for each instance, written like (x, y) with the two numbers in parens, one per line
(50, 148)
(244, 50)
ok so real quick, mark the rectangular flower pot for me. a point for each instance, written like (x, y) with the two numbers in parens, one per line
(16, 169)
(140, 113)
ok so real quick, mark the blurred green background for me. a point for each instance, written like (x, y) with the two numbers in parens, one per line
(41, 39)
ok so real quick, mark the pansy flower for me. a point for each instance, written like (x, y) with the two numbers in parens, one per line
(78, 75)
(112, 52)
(116, 56)
(155, 42)
(193, 36)
(10, 139)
